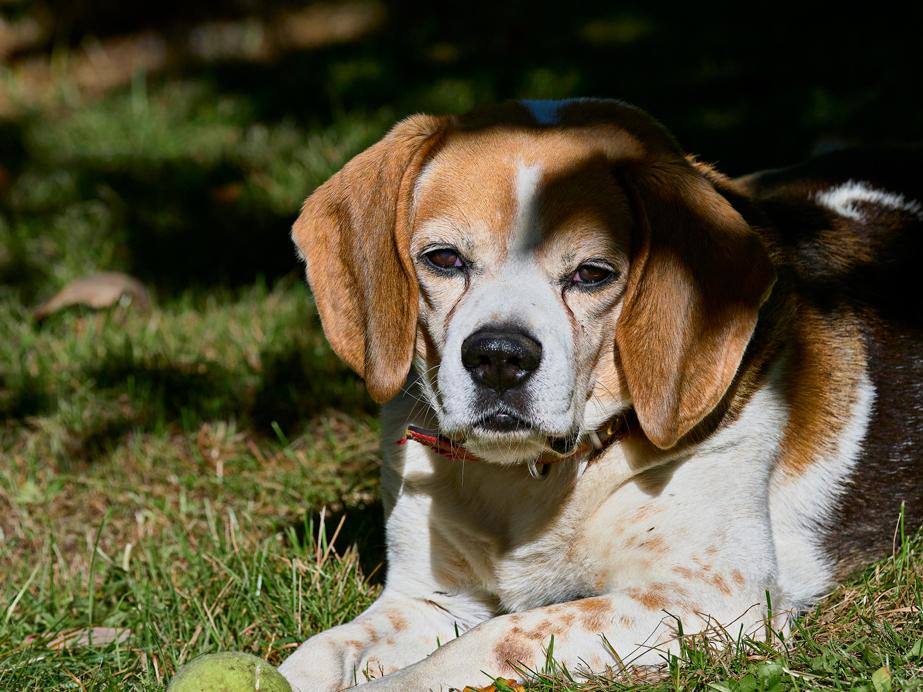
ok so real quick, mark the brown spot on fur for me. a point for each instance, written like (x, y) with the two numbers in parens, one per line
(397, 621)
(655, 544)
(512, 652)
(355, 644)
(541, 631)
(738, 577)
(643, 512)
(674, 588)
(684, 572)
(656, 596)
(538, 634)
(704, 566)
(595, 613)
(626, 621)
(652, 599)
(711, 550)
(719, 583)
(593, 605)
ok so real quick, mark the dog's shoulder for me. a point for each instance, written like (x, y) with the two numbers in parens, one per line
(847, 236)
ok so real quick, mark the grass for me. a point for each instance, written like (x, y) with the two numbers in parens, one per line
(145, 489)
(202, 476)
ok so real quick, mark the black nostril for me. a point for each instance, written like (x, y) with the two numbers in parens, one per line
(500, 358)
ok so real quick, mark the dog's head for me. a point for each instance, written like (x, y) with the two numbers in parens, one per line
(544, 265)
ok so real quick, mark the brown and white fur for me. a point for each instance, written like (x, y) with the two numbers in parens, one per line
(753, 338)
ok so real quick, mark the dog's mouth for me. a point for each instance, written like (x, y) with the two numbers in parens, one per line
(504, 427)
(460, 448)
(502, 421)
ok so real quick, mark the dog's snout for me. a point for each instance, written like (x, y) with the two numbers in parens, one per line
(500, 359)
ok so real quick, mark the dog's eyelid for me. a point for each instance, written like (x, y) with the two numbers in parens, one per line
(425, 258)
(598, 262)
(439, 245)
(568, 281)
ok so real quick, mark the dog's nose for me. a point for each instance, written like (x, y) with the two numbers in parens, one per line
(500, 359)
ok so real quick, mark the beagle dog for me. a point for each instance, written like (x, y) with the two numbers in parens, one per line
(623, 393)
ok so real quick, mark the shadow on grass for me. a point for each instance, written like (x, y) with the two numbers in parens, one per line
(294, 387)
(363, 526)
(23, 398)
(291, 388)
(184, 233)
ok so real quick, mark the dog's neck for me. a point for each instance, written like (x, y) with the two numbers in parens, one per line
(594, 443)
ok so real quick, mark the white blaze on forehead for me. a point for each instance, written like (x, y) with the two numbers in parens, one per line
(520, 293)
(526, 231)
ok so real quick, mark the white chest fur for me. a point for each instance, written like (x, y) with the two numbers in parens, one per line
(522, 543)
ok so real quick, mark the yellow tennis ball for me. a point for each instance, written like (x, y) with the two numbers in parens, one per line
(228, 672)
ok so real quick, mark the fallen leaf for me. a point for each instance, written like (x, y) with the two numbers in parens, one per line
(881, 680)
(499, 685)
(97, 291)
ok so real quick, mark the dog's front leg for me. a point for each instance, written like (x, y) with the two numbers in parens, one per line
(589, 635)
(394, 632)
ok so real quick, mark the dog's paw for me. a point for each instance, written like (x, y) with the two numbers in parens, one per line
(319, 665)
(328, 663)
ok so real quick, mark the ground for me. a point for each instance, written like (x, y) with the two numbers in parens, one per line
(201, 476)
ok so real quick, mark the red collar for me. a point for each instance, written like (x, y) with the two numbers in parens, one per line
(616, 428)
(442, 445)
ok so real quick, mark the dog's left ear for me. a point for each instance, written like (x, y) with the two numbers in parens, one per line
(698, 277)
(354, 235)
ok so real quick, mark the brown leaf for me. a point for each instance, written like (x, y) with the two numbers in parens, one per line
(98, 291)
(510, 684)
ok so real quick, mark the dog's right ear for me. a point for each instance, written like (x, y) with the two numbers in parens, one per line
(354, 235)
(698, 278)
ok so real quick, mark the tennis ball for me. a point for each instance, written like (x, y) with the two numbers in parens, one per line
(231, 671)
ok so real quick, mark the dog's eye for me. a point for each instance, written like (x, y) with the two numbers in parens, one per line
(591, 275)
(445, 258)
